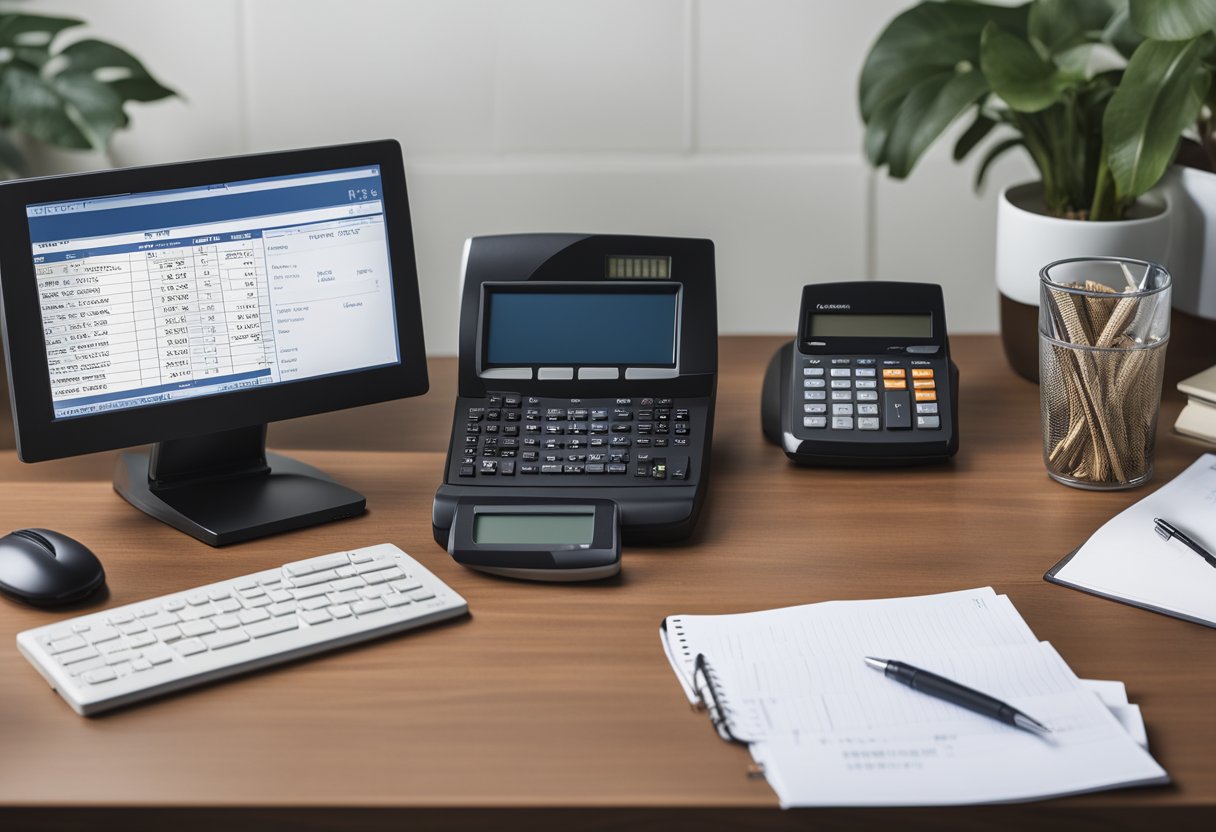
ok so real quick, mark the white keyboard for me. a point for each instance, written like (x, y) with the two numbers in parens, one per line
(127, 654)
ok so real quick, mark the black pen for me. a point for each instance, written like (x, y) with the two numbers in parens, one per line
(1166, 530)
(943, 688)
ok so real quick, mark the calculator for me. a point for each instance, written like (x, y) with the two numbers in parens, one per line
(587, 371)
(868, 381)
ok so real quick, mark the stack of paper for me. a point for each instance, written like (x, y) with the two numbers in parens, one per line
(829, 731)
(1198, 418)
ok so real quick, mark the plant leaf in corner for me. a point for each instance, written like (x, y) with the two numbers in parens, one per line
(1162, 91)
(1173, 19)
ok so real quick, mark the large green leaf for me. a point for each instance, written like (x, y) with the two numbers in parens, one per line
(923, 42)
(114, 66)
(1059, 25)
(92, 105)
(926, 112)
(1173, 19)
(921, 74)
(973, 135)
(1162, 91)
(1017, 73)
(33, 106)
(32, 30)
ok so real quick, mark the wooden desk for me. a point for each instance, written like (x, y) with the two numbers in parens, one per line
(554, 699)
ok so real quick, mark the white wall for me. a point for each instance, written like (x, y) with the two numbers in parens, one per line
(729, 119)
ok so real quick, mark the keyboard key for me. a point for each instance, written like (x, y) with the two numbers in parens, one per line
(158, 654)
(271, 627)
(226, 622)
(197, 628)
(101, 674)
(315, 578)
(344, 584)
(307, 567)
(77, 655)
(315, 603)
(72, 642)
(250, 616)
(340, 611)
(196, 598)
(285, 607)
(374, 566)
(225, 638)
(141, 640)
(395, 599)
(166, 634)
(366, 607)
(122, 656)
(315, 616)
(422, 595)
(189, 647)
(408, 585)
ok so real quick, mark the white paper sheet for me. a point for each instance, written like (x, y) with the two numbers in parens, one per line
(1127, 560)
(831, 731)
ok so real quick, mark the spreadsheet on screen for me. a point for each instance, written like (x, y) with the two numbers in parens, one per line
(152, 297)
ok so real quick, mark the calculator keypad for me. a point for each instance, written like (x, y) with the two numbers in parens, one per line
(858, 395)
(550, 441)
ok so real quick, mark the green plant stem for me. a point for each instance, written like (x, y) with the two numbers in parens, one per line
(1106, 204)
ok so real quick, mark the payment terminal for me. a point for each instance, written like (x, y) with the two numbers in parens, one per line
(587, 376)
(868, 381)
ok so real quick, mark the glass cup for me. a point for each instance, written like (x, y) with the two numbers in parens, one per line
(1104, 323)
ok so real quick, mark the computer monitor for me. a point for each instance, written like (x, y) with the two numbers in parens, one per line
(187, 305)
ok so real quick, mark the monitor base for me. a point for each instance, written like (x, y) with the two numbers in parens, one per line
(246, 497)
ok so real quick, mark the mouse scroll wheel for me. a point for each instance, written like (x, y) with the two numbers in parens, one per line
(34, 537)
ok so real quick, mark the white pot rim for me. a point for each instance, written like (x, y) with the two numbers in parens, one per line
(1154, 199)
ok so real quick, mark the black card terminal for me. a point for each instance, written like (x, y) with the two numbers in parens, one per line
(868, 380)
(588, 370)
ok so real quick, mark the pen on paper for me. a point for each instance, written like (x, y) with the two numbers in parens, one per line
(1166, 530)
(942, 688)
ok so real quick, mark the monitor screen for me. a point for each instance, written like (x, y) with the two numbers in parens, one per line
(157, 296)
(576, 328)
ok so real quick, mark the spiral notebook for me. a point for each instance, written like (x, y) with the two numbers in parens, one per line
(1126, 561)
(828, 731)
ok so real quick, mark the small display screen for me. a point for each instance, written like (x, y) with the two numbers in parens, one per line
(870, 326)
(535, 529)
(639, 268)
(563, 329)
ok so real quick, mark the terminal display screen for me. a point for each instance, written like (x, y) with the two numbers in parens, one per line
(153, 297)
(556, 328)
(871, 326)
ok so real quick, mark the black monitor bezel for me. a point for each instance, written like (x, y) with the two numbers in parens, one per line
(40, 436)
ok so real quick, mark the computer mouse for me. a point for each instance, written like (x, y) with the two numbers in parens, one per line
(46, 568)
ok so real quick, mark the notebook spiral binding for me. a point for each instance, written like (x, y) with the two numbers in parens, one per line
(716, 705)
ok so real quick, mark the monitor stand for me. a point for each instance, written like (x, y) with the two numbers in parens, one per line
(225, 488)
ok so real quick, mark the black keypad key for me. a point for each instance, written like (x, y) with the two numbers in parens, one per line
(621, 415)
(897, 410)
(510, 401)
(488, 466)
(475, 413)
(492, 428)
(530, 456)
(493, 415)
(467, 470)
(595, 468)
(617, 468)
(529, 468)
(472, 428)
(510, 430)
(599, 415)
(494, 400)
(677, 467)
(551, 468)
(572, 469)
(621, 442)
(622, 428)
(506, 468)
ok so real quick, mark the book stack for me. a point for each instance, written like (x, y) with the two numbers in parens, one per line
(1198, 419)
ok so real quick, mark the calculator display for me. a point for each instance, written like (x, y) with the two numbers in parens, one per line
(870, 326)
(535, 529)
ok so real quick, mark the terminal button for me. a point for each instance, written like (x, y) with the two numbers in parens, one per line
(898, 415)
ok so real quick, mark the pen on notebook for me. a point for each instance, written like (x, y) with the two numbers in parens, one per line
(1166, 530)
(953, 692)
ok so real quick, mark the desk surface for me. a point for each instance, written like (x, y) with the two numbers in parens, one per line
(559, 696)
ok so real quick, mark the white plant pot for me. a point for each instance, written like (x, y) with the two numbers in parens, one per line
(1027, 239)
(1192, 260)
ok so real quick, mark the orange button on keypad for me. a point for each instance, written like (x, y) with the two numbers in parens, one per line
(926, 383)
(926, 395)
(894, 384)
(922, 372)
(898, 372)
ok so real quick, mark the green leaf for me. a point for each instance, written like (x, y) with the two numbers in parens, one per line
(1173, 19)
(974, 134)
(1160, 96)
(1120, 33)
(923, 42)
(996, 151)
(116, 66)
(11, 158)
(93, 106)
(878, 130)
(34, 107)
(32, 30)
(1016, 73)
(1059, 25)
(926, 112)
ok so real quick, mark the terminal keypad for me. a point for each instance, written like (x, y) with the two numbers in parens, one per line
(852, 394)
(618, 441)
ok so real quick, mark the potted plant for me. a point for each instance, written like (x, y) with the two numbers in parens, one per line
(72, 97)
(1050, 77)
